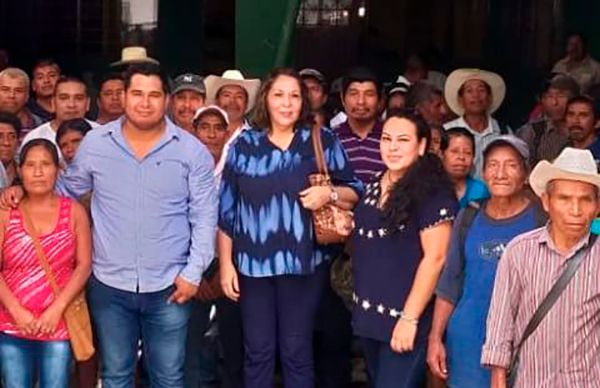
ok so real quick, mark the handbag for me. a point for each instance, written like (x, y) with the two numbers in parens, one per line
(544, 307)
(324, 218)
(76, 315)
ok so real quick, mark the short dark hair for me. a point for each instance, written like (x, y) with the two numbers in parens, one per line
(453, 132)
(12, 120)
(39, 142)
(77, 125)
(44, 62)
(262, 118)
(109, 77)
(71, 78)
(147, 69)
(583, 99)
(360, 74)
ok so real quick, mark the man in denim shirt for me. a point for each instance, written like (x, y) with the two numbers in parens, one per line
(154, 207)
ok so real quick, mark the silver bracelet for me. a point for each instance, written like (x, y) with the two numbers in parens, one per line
(412, 321)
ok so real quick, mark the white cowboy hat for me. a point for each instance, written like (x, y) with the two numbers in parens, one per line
(231, 77)
(459, 77)
(134, 54)
(572, 164)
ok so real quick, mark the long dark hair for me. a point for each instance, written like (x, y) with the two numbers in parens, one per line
(423, 179)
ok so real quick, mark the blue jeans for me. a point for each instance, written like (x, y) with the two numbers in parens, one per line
(122, 318)
(22, 358)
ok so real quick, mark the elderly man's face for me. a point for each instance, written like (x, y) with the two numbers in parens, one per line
(572, 206)
(13, 94)
(475, 97)
(503, 172)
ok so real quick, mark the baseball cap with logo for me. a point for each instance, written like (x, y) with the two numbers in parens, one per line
(189, 81)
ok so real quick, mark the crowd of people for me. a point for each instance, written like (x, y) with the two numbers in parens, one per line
(183, 207)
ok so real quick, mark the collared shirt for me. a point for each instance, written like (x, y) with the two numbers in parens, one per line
(154, 218)
(221, 163)
(364, 155)
(30, 122)
(586, 72)
(481, 139)
(550, 139)
(564, 351)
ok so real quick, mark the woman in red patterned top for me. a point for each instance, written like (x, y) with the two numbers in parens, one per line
(33, 335)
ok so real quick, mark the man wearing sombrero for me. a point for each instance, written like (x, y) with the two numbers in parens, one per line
(544, 318)
(236, 95)
(474, 95)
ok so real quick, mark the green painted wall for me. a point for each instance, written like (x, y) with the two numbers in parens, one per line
(263, 34)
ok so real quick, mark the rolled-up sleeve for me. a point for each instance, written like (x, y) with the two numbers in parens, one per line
(202, 215)
(450, 283)
(338, 165)
(500, 333)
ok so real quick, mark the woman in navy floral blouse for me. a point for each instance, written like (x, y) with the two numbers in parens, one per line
(399, 244)
(269, 259)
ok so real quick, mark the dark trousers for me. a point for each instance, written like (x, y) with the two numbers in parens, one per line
(201, 353)
(278, 313)
(333, 342)
(388, 369)
(231, 341)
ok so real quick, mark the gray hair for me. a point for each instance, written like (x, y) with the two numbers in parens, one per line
(419, 93)
(14, 72)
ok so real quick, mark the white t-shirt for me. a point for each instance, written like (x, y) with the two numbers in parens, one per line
(45, 131)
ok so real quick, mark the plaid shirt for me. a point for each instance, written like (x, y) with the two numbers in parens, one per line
(564, 351)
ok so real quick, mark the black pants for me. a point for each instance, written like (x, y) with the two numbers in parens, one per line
(231, 340)
(333, 342)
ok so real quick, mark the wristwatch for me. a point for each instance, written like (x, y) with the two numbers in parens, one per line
(334, 195)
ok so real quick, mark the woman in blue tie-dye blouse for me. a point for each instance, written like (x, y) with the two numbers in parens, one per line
(270, 261)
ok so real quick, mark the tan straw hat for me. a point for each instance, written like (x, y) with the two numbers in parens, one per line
(231, 77)
(134, 54)
(459, 77)
(572, 164)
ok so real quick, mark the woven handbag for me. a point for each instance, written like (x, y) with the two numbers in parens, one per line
(324, 218)
(76, 315)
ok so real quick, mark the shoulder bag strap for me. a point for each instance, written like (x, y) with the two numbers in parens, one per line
(573, 264)
(319, 155)
(38, 248)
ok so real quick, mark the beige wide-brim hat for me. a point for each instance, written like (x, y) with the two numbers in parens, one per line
(231, 77)
(134, 54)
(572, 164)
(459, 77)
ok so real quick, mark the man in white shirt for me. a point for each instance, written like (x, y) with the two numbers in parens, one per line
(474, 95)
(236, 96)
(71, 101)
(578, 64)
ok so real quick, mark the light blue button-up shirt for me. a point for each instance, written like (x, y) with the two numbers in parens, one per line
(154, 218)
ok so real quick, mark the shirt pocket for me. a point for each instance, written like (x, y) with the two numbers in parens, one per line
(167, 178)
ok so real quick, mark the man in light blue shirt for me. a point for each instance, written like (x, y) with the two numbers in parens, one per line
(154, 208)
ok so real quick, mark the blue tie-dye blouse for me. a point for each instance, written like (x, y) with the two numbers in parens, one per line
(260, 207)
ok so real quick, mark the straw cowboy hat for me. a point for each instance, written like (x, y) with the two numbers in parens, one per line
(231, 77)
(134, 54)
(459, 77)
(572, 164)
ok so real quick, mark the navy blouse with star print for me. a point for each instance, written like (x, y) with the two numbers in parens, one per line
(386, 261)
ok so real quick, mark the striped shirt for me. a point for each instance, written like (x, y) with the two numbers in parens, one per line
(564, 351)
(363, 154)
(482, 139)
